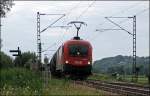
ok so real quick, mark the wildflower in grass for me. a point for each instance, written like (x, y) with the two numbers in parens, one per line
(28, 87)
(4, 87)
(35, 91)
(7, 92)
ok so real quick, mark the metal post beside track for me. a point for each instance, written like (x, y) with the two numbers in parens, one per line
(134, 67)
(39, 48)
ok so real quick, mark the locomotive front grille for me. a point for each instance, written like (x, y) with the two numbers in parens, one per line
(83, 70)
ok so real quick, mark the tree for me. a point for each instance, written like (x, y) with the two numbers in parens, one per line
(26, 59)
(5, 61)
(111, 70)
(5, 6)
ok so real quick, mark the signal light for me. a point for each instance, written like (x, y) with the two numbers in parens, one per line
(89, 62)
(66, 62)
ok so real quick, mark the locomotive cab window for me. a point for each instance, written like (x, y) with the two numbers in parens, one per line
(78, 50)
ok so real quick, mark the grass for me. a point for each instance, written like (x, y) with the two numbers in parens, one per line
(143, 80)
(65, 87)
(20, 82)
(128, 78)
(102, 77)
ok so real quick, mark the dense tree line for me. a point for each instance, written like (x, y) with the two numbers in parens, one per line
(25, 60)
(121, 64)
(5, 6)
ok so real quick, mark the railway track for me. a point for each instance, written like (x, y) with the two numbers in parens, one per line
(119, 88)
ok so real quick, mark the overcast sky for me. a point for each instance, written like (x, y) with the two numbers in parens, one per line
(19, 28)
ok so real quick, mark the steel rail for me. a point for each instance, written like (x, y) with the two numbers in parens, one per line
(123, 89)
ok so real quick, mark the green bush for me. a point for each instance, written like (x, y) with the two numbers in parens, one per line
(5, 61)
(26, 59)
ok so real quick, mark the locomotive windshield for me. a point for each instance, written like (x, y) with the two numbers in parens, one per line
(78, 50)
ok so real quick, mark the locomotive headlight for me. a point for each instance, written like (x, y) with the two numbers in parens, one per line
(66, 62)
(89, 62)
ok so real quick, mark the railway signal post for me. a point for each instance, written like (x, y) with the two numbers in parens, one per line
(17, 53)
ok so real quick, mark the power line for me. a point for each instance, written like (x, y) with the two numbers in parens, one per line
(119, 25)
(83, 12)
(54, 44)
(144, 10)
(126, 10)
(122, 11)
(112, 15)
(73, 8)
(123, 21)
(49, 47)
(53, 22)
(68, 13)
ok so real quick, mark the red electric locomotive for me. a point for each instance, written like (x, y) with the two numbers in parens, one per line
(73, 58)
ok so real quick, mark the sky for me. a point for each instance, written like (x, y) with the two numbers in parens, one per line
(19, 27)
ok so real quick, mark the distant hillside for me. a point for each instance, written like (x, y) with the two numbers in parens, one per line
(120, 64)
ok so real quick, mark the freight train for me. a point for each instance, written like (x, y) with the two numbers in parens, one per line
(73, 58)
